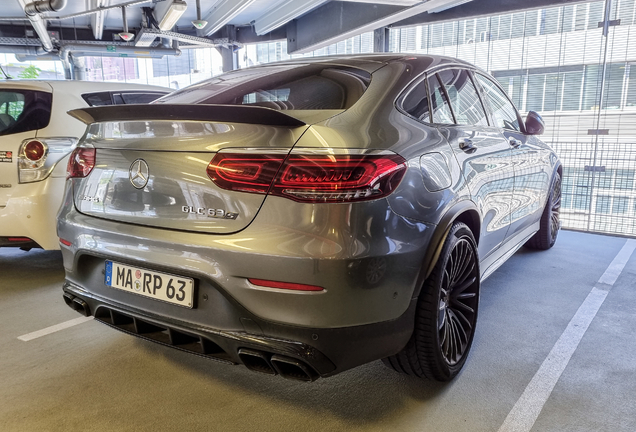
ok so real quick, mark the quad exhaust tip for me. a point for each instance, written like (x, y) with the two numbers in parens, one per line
(286, 367)
(256, 361)
(77, 304)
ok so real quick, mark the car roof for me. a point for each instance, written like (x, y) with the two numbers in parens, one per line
(78, 86)
(372, 62)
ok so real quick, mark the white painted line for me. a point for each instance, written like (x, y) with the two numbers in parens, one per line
(36, 334)
(527, 409)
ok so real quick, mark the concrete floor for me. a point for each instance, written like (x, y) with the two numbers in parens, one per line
(92, 378)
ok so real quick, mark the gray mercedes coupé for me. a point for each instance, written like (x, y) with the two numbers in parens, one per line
(306, 217)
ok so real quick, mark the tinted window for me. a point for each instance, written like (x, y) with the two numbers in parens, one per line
(503, 112)
(290, 87)
(120, 98)
(416, 102)
(98, 99)
(24, 110)
(140, 97)
(441, 110)
(463, 97)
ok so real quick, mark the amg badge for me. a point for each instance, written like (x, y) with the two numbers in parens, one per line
(213, 213)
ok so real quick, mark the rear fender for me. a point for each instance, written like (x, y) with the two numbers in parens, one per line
(464, 211)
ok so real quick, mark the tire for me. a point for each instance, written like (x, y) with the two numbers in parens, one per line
(550, 224)
(446, 312)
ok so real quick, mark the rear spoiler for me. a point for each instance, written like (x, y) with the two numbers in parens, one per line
(183, 112)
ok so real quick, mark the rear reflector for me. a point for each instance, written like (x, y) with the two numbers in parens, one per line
(19, 239)
(310, 178)
(81, 162)
(65, 242)
(285, 285)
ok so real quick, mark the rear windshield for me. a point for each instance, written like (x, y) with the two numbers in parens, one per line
(289, 87)
(24, 111)
(120, 98)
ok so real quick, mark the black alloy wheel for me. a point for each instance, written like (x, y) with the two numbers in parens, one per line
(457, 306)
(446, 314)
(550, 223)
(555, 209)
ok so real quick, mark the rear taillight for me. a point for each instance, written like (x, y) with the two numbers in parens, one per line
(244, 172)
(310, 178)
(38, 158)
(34, 150)
(339, 178)
(81, 162)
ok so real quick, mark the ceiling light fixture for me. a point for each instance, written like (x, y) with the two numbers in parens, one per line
(199, 23)
(125, 35)
(168, 13)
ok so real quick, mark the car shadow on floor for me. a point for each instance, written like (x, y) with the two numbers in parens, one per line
(27, 270)
(365, 394)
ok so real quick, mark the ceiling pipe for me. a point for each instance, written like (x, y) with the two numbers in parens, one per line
(22, 50)
(33, 10)
(38, 7)
(68, 51)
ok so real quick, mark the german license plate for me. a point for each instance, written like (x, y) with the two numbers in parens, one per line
(159, 286)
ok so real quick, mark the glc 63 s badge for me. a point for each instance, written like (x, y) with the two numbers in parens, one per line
(213, 213)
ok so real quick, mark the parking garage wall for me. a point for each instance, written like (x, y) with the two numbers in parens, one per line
(552, 61)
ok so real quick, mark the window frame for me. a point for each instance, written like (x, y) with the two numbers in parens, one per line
(484, 96)
(424, 77)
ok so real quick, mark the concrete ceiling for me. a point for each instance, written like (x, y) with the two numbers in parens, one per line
(306, 24)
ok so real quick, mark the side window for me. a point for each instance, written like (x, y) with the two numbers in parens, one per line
(503, 112)
(463, 97)
(97, 99)
(416, 102)
(441, 110)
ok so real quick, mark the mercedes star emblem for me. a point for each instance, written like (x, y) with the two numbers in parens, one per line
(138, 173)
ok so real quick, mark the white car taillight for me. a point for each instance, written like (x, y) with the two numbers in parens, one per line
(37, 157)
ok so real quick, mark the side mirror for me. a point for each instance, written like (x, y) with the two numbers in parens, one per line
(534, 124)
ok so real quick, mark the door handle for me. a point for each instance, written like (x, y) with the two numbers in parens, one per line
(514, 142)
(467, 145)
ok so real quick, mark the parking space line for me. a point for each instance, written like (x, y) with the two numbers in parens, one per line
(527, 409)
(55, 328)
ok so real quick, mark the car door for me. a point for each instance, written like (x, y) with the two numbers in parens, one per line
(483, 155)
(530, 159)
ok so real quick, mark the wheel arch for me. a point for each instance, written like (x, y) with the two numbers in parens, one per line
(464, 211)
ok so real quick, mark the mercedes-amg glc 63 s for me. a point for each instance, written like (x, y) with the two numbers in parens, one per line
(307, 217)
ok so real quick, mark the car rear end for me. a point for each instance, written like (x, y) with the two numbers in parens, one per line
(31, 175)
(217, 225)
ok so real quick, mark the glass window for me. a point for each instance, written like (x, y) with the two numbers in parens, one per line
(98, 99)
(140, 97)
(416, 102)
(289, 87)
(24, 110)
(463, 97)
(441, 110)
(503, 112)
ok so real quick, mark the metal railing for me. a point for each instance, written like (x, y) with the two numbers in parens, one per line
(599, 191)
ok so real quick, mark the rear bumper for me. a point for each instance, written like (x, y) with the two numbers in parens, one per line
(31, 213)
(294, 352)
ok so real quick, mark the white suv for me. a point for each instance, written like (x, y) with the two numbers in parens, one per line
(36, 137)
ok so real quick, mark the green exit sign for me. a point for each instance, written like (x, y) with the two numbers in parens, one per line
(111, 48)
